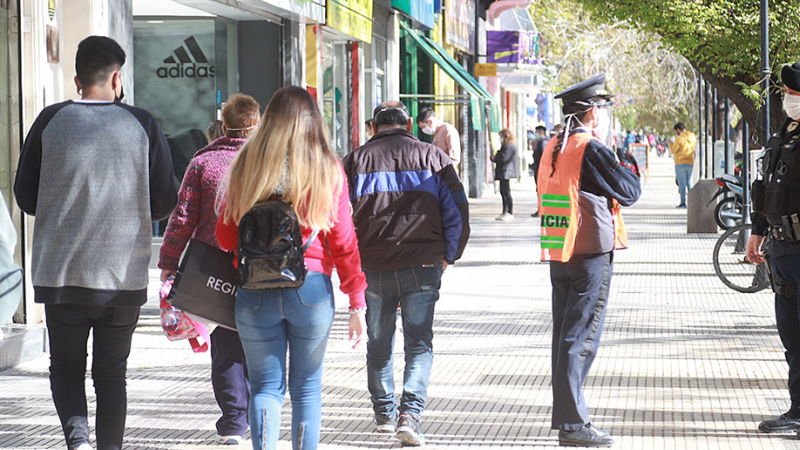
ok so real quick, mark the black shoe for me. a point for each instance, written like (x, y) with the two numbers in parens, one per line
(587, 436)
(681, 206)
(536, 214)
(408, 431)
(383, 424)
(785, 424)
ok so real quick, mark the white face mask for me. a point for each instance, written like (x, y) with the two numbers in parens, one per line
(603, 128)
(428, 130)
(791, 103)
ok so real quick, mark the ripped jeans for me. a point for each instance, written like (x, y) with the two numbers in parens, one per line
(269, 322)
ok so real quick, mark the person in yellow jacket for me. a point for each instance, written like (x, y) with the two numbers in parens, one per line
(581, 186)
(683, 149)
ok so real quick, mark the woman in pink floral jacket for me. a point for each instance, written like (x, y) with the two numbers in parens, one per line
(194, 217)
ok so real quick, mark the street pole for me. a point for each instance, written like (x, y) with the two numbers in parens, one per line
(705, 120)
(714, 132)
(726, 134)
(765, 70)
(700, 123)
(746, 171)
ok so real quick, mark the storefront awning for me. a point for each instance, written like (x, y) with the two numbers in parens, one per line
(478, 95)
(443, 63)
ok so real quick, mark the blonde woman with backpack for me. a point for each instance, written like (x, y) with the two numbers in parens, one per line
(290, 157)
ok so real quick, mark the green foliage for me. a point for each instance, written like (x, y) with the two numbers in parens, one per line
(654, 86)
(720, 35)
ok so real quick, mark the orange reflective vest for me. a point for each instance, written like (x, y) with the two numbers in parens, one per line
(559, 200)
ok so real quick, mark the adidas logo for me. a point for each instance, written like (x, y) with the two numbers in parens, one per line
(189, 62)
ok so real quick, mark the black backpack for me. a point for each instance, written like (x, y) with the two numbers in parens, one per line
(271, 248)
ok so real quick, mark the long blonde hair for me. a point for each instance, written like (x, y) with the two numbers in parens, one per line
(290, 148)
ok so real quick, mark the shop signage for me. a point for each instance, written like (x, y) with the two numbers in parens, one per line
(485, 69)
(187, 61)
(459, 21)
(515, 47)
(419, 10)
(353, 17)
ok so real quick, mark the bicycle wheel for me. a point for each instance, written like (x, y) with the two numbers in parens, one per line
(729, 213)
(730, 265)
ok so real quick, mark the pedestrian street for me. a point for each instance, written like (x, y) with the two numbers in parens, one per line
(685, 363)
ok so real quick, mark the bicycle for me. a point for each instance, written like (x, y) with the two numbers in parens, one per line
(730, 264)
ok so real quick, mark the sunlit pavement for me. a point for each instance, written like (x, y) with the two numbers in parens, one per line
(685, 363)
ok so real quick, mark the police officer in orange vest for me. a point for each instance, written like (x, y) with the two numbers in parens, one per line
(581, 187)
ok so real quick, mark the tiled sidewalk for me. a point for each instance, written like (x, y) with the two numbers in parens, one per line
(685, 362)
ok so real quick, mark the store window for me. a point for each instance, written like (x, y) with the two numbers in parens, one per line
(335, 66)
(375, 74)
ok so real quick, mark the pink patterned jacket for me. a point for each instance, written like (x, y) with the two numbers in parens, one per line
(194, 217)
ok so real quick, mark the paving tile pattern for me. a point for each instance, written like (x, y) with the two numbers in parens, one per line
(685, 363)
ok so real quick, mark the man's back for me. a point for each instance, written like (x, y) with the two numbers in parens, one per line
(409, 206)
(85, 173)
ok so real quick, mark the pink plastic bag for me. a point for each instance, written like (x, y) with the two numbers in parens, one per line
(178, 325)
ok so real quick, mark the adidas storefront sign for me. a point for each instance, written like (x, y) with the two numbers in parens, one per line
(186, 71)
(187, 61)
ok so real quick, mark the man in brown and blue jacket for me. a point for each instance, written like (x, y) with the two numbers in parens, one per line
(412, 220)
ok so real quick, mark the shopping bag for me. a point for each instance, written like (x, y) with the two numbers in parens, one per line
(206, 284)
(177, 325)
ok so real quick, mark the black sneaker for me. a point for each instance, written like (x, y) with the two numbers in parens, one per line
(408, 431)
(786, 423)
(587, 436)
(383, 424)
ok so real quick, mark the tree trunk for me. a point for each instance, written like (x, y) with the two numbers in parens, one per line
(755, 117)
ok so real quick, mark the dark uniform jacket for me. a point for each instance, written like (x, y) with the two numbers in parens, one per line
(760, 226)
(506, 162)
(603, 179)
(409, 206)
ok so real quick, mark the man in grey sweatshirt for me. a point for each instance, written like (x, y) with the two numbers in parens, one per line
(95, 173)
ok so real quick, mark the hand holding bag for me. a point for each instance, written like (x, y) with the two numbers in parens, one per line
(206, 284)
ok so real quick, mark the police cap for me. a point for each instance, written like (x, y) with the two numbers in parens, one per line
(583, 91)
(790, 74)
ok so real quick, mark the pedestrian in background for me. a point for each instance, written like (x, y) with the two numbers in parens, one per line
(95, 173)
(195, 217)
(581, 186)
(214, 131)
(683, 149)
(290, 157)
(407, 238)
(445, 136)
(776, 215)
(505, 169)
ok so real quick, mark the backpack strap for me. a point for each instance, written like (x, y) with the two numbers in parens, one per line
(311, 238)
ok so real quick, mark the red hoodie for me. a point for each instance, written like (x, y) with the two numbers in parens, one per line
(341, 250)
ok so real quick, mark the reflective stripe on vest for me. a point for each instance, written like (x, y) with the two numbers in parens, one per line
(559, 200)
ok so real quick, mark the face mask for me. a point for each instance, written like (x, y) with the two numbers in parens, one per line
(603, 128)
(791, 103)
(428, 130)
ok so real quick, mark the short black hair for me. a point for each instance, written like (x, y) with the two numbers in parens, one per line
(541, 128)
(425, 114)
(390, 113)
(680, 126)
(97, 58)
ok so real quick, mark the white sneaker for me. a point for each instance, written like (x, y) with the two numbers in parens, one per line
(501, 216)
(84, 446)
(227, 440)
(506, 217)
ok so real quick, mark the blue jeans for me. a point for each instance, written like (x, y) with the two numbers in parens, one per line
(269, 322)
(684, 174)
(580, 293)
(68, 327)
(416, 290)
